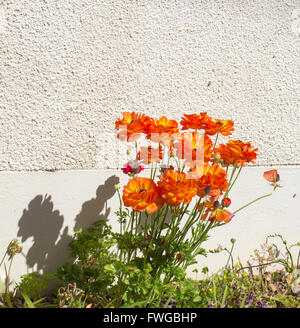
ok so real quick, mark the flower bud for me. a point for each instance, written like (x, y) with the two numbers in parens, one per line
(164, 168)
(207, 190)
(13, 248)
(117, 186)
(179, 256)
(226, 201)
(217, 204)
(165, 240)
(217, 156)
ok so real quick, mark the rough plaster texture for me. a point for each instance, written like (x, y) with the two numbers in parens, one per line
(69, 68)
(43, 208)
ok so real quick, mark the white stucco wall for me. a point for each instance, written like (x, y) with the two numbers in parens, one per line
(69, 68)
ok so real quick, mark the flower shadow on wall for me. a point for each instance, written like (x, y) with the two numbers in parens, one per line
(44, 223)
(91, 209)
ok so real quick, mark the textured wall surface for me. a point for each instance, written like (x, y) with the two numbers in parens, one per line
(69, 68)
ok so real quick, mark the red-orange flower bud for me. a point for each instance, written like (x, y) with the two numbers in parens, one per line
(179, 256)
(226, 201)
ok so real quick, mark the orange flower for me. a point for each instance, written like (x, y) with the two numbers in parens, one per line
(209, 206)
(220, 126)
(273, 177)
(130, 269)
(195, 121)
(194, 148)
(237, 152)
(225, 153)
(131, 126)
(210, 177)
(175, 188)
(150, 154)
(221, 215)
(179, 256)
(142, 194)
(162, 130)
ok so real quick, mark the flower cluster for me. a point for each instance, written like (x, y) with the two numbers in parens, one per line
(202, 165)
(170, 212)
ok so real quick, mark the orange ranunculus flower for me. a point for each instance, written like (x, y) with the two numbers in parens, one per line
(194, 148)
(223, 127)
(210, 177)
(162, 130)
(273, 177)
(195, 121)
(175, 188)
(208, 205)
(221, 215)
(237, 152)
(225, 153)
(142, 194)
(150, 154)
(131, 126)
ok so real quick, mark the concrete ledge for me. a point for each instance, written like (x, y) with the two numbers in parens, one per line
(44, 208)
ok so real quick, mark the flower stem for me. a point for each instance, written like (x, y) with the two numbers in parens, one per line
(216, 141)
(235, 179)
(252, 202)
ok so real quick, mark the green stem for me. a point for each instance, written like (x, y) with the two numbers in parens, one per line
(235, 179)
(7, 273)
(252, 202)
(183, 167)
(216, 141)
(195, 246)
(136, 150)
(3, 259)
(229, 183)
(121, 211)
(203, 235)
(230, 256)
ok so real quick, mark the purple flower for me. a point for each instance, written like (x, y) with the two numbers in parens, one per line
(262, 304)
(212, 305)
(249, 299)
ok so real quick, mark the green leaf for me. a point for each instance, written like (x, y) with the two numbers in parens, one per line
(28, 301)
(109, 267)
(205, 270)
(197, 299)
(8, 301)
(2, 286)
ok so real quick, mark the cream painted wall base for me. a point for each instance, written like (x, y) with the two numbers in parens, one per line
(43, 208)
